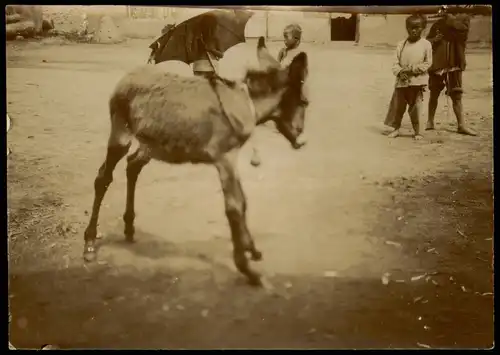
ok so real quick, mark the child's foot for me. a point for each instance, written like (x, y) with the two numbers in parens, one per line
(430, 126)
(255, 162)
(467, 131)
(393, 134)
(417, 137)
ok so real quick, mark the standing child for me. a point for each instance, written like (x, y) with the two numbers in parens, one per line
(292, 35)
(449, 40)
(413, 59)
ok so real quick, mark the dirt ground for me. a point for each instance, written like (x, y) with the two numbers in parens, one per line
(331, 219)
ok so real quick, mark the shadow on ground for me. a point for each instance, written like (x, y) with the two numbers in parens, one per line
(107, 307)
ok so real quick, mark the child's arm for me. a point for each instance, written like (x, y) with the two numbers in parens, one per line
(397, 69)
(434, 35)
(422, 68)
(459, 22)
(218, 54)
(459, 26)
(211, 47)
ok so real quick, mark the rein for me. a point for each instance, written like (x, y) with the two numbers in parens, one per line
(244, 87)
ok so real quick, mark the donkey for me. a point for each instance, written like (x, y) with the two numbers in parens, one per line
(200, 121)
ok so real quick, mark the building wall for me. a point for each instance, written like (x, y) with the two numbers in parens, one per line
(381, 29)
(315, 25)
(147, 22)
(70, 17)
(133, 22)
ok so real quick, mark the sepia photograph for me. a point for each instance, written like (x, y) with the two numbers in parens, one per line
(249, 177)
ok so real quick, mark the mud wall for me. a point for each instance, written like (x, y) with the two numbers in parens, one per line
(389, 29)
(147, 22)
(27, 12)
(132, 24)
(315, 25)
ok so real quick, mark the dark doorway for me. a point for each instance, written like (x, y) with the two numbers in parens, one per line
(344, 28)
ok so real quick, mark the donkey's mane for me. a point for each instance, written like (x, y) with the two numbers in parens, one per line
(250, 74)
(259, 73)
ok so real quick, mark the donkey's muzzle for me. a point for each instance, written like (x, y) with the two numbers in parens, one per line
(299, 143)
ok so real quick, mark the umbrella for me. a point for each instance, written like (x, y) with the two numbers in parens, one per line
(157, 44)
(181, 42)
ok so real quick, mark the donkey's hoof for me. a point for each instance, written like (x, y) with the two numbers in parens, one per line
(299, 144)
(255, 280)
(129, 239)
(89, 253)
(129, 234)
(256, 255)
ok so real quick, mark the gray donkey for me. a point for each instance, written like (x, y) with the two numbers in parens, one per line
(197, 120)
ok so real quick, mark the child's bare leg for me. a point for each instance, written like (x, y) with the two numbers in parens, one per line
(458, 109)
(433, 103)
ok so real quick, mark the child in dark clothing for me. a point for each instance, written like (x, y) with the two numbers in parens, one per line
(448, 37)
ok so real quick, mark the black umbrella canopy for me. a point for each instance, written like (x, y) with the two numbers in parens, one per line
(181, 43)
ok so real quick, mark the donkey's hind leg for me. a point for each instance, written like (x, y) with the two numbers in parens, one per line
(135, 163)
(118, 146)
(235, 204)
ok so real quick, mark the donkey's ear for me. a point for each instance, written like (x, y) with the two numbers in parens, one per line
(265, 59)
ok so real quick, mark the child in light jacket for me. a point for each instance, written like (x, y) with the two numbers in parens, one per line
(413, 59)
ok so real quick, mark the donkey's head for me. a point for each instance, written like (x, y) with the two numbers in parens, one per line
(288, 83)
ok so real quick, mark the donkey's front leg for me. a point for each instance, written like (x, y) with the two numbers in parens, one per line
(235, 203)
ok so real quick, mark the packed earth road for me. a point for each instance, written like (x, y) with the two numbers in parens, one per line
(368, 242)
